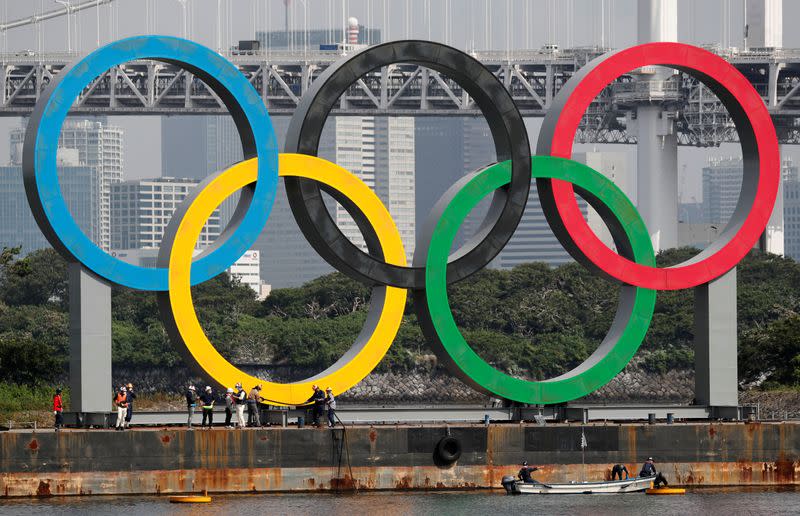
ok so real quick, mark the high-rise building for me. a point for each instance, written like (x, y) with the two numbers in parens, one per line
(197, 146)
(791, 218)
(447, 148)
(80, 186)
(722, 185)
(141, 209)
(439, 160)
(613, 165)
(380, 151)
(99, 145)
(533, 240)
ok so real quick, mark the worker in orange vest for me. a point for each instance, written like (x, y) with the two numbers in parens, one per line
(121, 402)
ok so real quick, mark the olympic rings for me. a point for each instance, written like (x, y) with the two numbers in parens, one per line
(633, 313)
(384, 265)
(41, 141)
(505, 123)
(759, 149)
(386, 304)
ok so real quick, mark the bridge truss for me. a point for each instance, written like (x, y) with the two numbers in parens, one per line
(532, 77)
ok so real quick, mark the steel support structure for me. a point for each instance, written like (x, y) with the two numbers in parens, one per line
(90, 347)
(715, 356)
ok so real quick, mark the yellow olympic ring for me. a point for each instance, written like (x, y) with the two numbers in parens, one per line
(348, 371)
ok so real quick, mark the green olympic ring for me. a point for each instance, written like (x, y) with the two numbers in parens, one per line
(633, 315)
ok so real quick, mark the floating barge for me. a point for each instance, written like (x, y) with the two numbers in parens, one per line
(175, 461)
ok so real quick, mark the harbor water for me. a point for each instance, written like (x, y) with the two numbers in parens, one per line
(726, 502)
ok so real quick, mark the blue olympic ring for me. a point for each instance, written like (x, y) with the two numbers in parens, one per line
(41, 178)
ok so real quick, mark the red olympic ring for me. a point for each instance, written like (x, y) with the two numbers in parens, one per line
(717, 259)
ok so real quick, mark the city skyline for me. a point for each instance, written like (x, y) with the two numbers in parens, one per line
(199, 145)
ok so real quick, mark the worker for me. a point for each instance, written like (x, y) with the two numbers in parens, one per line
(240, 398)
(191, 403)
(208, 407)
(649, 470)
(253, 399)
(58, 409)
(129, 411)
(121, 402)
(230, 406)
(318, 398)
(617, 470)
(330, 404)
(525, 473)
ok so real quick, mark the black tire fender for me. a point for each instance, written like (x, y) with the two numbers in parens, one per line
(448, 450)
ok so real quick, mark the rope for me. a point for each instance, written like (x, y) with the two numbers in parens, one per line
(347, 448)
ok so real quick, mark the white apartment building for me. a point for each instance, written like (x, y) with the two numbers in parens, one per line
(141, 209)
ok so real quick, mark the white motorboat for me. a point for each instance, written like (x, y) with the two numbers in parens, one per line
(630, 485)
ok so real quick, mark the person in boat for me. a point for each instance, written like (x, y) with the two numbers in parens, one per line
(617, 471)
(525, 473)
(649, 470)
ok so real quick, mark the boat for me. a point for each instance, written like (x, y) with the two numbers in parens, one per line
(630, 485)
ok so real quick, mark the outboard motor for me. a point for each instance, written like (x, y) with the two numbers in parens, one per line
(510, 483)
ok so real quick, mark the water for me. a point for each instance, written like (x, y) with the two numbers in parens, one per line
(726, 502)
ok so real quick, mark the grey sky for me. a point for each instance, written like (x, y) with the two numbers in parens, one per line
(509, 24)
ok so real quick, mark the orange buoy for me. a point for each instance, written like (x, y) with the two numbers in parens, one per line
(666, 491)
(204, 498)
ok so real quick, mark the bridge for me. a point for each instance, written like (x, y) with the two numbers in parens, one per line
(533, 77)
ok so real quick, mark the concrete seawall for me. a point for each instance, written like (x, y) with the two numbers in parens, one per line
(385, 457)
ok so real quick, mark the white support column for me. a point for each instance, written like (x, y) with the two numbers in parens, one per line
(763, 23)
(657, 176)
(657, 149)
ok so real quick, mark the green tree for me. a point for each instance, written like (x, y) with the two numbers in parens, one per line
(24, 360)
(37, 279)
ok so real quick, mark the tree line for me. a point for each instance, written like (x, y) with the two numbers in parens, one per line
(533, 321)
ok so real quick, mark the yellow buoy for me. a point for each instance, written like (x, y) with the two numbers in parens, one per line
(666, 491)
(190, 499)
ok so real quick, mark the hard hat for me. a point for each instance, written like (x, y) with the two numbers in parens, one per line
(130, 386)
(191, 387)
(208, 387)
(329, 389)
(230, 390)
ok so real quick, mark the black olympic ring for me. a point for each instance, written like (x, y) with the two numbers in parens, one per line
(510, 138)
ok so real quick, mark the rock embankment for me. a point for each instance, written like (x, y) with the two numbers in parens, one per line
(633, 385)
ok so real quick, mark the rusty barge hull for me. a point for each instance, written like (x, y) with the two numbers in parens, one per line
(385, 457)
